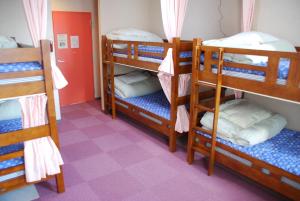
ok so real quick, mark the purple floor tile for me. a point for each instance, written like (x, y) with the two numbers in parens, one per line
(143, 196)
(71, 176)
(118, 125)
(77, 114)
(86, 122)
(65, 126)
(152, 172)
(97, 131)
(72, 137)
(116, 186)
(80, 150)
(111, 142)
(130, 155)
(96, 166)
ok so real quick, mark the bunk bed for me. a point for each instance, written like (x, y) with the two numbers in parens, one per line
(153, 110)
(24, 72)
(274, 163)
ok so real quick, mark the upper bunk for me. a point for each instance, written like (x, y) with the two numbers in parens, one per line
(148, 55)
(278, 76)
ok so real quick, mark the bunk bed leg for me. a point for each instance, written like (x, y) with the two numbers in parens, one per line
(60, 184)
(172, 141)
(190, 150)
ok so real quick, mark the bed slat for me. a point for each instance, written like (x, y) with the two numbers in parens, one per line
(21, 74)
(21, 89)
(20, 55)
(11, 155)
(24, 135)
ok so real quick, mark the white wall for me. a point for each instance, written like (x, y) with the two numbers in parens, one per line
(203, 18)
(13, 23)
(85, 6)
(116, 14)
(279, 17)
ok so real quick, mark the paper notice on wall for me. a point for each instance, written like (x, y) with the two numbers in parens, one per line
(62, 41)
(74, 41)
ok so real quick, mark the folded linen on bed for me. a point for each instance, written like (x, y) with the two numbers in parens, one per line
(244, 123)
(134, 77)
(141, 88)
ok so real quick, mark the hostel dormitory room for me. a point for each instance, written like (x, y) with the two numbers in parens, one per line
(139, 100)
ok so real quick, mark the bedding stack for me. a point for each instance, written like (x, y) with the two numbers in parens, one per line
(136, 83)
(245, 123)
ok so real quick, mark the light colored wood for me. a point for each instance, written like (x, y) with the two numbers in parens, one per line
(21, 89)
(20, 55)
(21, 74)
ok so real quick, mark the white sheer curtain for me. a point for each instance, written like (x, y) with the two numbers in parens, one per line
(41, 155)
(173, 14)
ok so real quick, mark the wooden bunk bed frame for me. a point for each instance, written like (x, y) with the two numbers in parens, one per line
(164, 126)
(258, 170)
(42, 55)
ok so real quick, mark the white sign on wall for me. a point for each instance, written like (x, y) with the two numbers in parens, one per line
(74, 41)
(62, 41)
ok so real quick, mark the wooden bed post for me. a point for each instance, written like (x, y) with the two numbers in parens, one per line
(45, 47)
(193, 100)
(105, 75)
(112, 75)
(174, 94)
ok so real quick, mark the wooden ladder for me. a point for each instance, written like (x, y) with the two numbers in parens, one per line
(197, 107)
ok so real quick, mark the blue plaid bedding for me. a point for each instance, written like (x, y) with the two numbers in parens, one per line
(20, 66)
(156, 49)
(283, 69)
(9, 126)
(281, 151)
(155, 103)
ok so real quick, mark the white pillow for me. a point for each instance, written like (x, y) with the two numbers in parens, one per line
(133, 77)
(132, 34)
(10, 109)
(7, 42)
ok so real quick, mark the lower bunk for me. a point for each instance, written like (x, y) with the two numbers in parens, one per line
(274, 163)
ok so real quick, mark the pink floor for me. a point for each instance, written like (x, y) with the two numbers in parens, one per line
(116, 160)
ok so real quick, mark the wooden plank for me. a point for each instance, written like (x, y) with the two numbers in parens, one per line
(245, 66)
(21, 89)
(12, 170)
(11, 155)
(20, 55)
(24, 135)
(21, 74)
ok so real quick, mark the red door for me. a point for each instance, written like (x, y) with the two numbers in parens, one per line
(74, 55)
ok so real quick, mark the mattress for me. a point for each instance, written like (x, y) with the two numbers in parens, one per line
(282, 75)
(152, 49)
(20, 67)
(155, 103)
(9, 126)
(281, 151)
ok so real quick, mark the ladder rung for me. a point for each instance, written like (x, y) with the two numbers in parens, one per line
(203, 130)
(202, 107)
(212, 85)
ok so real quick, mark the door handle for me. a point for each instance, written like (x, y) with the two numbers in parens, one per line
(60, 61)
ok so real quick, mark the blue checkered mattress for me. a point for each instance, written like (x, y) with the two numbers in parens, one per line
(154, 49)
(155, 103)
(9, 126)
(283, 71)
(20, 67)
(281, 151)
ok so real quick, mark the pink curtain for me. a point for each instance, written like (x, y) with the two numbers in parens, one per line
(41, 155)
(247, 21)
(248, 14)
(36, 14)
(173, 14)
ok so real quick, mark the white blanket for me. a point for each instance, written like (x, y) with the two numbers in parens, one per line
(134, 77)
(141, 88)
(244, 123)
(251, 40)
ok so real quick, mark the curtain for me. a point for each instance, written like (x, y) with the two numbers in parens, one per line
(248, 13)
(41, 155)
(173, 14)
(36, 14)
